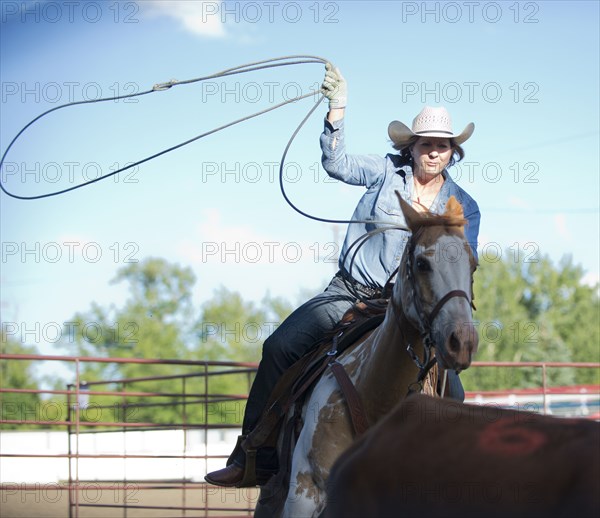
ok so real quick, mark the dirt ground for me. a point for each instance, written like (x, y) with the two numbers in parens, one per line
(94, 501)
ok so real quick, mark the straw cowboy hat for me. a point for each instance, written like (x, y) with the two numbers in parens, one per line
(431, 122)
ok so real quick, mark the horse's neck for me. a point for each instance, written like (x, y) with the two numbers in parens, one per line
(388, 370)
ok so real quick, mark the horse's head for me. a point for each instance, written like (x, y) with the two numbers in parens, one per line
(434, 285)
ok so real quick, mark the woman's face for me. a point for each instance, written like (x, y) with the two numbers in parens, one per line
(431, 155)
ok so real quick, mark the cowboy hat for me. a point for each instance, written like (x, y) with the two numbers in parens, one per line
(430, 122)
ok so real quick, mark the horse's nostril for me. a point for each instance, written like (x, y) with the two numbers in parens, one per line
(454, 343)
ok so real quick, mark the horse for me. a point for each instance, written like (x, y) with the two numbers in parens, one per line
(429, 313)
(454, 459)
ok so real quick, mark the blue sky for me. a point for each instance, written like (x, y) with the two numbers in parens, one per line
(526, 73)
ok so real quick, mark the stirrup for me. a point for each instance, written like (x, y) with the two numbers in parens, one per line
(250, 478)
(238, 446)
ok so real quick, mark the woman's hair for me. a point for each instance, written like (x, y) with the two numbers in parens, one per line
(407, 159)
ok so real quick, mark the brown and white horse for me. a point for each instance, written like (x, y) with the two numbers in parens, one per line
(430, 304)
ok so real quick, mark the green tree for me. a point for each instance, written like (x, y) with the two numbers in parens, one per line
(17, 374)
(530, 310)
(572, 308)
(156, 322)
(232, 329)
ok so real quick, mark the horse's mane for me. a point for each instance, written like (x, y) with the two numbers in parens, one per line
(429, 219)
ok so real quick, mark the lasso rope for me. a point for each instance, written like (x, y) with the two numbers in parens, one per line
(258, 65)
(159, 87)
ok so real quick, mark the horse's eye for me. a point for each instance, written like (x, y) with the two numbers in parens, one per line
(423, 264)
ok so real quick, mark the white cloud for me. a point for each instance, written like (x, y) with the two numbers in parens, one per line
(591, 279)
(514, 201)
(197, 16)
(560, 223)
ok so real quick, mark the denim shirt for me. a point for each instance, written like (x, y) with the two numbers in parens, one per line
(376, 260)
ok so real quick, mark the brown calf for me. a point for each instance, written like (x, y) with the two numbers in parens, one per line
(435, 457)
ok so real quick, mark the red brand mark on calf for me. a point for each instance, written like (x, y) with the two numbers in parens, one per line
(505, 438)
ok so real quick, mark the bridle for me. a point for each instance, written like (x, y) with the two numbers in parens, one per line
(425, 320)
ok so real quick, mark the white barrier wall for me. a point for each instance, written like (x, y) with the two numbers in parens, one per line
(156, 443)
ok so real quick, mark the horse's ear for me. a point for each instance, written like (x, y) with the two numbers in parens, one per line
(454, 209)
(411, 216)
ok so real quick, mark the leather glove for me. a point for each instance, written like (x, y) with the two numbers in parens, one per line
(334, 87)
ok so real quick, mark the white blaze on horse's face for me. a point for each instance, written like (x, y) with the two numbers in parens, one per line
(440, 269)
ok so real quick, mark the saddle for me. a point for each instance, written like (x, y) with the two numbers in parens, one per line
(296, 382)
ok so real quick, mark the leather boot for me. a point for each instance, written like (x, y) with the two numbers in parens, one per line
(233, 476)
(230, 476)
